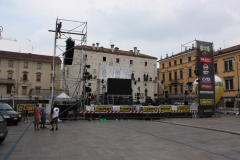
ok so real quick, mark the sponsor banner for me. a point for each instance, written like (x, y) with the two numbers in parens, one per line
(206, 86)
(127, 109)
(206, 80)
(140, 108)
(206, 101)
(206, 60)
(30, 108)
(206, 92)
(166, 108)
(102, 109)
(183, 108)
(150, 109)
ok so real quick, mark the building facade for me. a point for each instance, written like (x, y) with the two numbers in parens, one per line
(176, 72)
(142, 69)
(176, 76)
(26, 75)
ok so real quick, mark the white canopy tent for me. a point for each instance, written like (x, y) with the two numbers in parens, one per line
(63, 97)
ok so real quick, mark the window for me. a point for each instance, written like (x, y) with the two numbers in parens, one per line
(170, 89)
(131, 61)
(25, 65)
(170, 75)
(145, 77)
(9, 75)
(68, 71)
(163, 65)
(104, 58)
(170, 64)
(189, 59)
(175, 89)
(175, 75)
(229, 84)
(181, 87)
(10, 63)
(38, 77)
(190, 72)
(145, 63)
(215, 68)
(175, 62)
(52, 67)
(180, 61)
(163, 76)
(24, 90)
(181, 74)
(39, 65)
(132, 77)
(24, 76)
(228, 66)
(146, 92)
(117, 60)
(9, 89)
(38, 89)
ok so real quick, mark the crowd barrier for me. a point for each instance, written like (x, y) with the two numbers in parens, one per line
(229, 110)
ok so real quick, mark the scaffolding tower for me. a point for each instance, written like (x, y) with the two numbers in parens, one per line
(78, 34)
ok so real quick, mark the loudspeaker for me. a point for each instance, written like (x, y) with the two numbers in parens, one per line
(186, 92)
(185, 102)
(69, 51)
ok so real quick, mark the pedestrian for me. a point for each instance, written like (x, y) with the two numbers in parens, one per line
(25, 108)
(59, 26)
(95, 98)
(54, 116)
(36, 118)
(43, 116)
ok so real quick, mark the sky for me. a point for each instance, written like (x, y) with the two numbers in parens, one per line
(155, 27)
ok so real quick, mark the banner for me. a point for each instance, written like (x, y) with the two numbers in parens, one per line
(166, 108)
(102, 109)
(183, 108)
(127, 109)
(30, 108)
(150, 109)
(205, 67)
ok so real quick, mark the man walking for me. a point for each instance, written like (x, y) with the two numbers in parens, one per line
(36, 118)
(54, 115)
(43, 116)
(25, 108)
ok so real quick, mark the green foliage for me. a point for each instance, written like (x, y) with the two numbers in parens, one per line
(220, 84)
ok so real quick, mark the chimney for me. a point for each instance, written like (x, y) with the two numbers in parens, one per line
(166, 55)
(112, 47)
(192, 46)
(185, 48)
(131, 51)
(161, 57)
(172, 53)
(97, 45)
(93, 46)
(116, 48)
(138, 52)
(135, 50)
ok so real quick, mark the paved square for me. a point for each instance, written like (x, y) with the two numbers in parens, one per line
(129, 140)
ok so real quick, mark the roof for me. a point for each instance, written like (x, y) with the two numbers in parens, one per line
(29, 56)
(116, 51)
(216, 53)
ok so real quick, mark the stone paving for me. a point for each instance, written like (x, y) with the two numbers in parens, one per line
(126, 140)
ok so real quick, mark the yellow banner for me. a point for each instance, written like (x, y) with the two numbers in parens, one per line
(166, 108)
(30, 108)
(206, 101)
(127, 109)
(183, 108)
(140, 108)
(150, 109)
(102, 109)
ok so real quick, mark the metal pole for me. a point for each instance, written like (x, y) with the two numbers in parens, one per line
(237, 58)
(54, 54)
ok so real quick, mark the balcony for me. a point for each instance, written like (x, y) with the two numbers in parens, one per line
(6, 81)
(174, 81)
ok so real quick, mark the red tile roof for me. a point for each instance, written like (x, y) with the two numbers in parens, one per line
(17, 55)
(116, 51)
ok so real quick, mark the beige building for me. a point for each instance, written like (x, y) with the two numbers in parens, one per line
(26, 75)
(113, 63)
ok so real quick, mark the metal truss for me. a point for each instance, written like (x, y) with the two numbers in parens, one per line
(78, 33)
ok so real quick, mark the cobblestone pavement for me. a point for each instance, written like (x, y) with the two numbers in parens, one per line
(130, 140)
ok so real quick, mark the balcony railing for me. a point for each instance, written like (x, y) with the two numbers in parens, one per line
(174, 81)
(7, 81)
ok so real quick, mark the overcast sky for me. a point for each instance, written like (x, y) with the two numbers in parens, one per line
(155, 27)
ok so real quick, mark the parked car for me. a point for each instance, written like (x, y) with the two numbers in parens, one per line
(9, 114)
(3, 129)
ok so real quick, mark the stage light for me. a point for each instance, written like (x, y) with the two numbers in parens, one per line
(87, 66)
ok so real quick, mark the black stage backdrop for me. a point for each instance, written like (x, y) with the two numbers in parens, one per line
(119, 86)
(206, 84)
